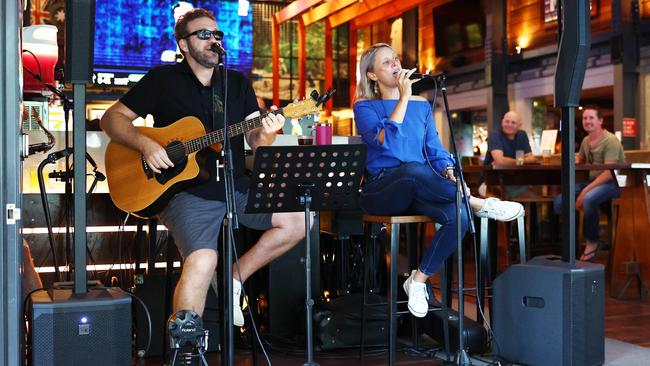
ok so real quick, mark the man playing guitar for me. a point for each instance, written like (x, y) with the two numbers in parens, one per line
(194, 215)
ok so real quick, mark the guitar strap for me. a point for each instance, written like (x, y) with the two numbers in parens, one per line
(217, 111)
(217, 100)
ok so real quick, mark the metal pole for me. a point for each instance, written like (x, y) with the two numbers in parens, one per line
(568, 186)
(79, 143)
(10, 171)
(309, 302)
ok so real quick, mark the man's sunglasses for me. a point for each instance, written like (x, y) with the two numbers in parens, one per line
(205, 34)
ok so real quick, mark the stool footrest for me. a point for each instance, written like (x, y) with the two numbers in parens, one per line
(413, 219)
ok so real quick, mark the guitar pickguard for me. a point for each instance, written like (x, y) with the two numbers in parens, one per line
(176, 153)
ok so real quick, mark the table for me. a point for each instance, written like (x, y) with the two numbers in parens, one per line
(630, 257)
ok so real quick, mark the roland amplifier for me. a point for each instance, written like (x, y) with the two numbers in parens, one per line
(93, 328)
(549, 312)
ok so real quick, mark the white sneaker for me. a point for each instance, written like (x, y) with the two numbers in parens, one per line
(418, 296)
(237, 315)
(500, 210)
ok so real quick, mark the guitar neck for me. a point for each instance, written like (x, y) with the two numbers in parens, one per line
(216, 137)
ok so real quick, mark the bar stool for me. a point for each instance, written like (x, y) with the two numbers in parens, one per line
(486, 270)
(394, 222)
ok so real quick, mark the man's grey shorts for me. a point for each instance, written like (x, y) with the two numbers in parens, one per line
(195, 223)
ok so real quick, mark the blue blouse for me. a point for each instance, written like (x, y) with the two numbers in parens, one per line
(403, 142)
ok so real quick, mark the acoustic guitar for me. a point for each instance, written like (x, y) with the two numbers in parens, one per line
(136, 189)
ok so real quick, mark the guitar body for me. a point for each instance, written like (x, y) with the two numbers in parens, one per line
(134, 188)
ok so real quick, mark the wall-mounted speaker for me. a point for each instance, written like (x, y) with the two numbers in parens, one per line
(79, 40)
(573, 51)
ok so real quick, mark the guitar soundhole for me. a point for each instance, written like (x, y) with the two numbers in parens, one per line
(176, 153)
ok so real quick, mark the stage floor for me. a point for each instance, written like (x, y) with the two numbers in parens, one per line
(244, 358)
(626, 330)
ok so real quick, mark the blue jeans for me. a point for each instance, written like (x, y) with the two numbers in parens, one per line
(591, 206)
(414, 188)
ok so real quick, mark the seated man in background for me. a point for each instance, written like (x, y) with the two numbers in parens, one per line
(598, 147)
(504, 143)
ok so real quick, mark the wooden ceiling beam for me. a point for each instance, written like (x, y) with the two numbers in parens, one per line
(390, 10)
(326, 9)
(295, 9)
(355, 10)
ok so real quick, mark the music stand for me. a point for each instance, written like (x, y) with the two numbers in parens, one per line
(305, 178)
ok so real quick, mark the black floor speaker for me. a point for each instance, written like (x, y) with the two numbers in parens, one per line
(475, 335)
(151, 291)
(548, 312)
(93, 328)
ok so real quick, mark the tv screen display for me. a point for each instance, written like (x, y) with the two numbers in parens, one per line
(132, 35)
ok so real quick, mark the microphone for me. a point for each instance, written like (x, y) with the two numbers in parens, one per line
(418, 76)
(216, 47)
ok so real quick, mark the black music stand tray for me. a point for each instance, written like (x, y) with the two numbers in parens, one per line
(304, 178)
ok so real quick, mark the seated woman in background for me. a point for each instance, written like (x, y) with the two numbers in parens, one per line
(408, 171)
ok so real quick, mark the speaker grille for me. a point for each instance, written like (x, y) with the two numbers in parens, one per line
(567, 330)
(91, 331)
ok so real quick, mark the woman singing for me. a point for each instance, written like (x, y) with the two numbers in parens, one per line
(408, 171)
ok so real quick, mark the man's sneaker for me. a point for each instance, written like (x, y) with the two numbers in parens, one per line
(500, 210)
(237, 315)
(418, 296)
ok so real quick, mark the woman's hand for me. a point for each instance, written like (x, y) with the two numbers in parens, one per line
(404, 83)
(449, 174)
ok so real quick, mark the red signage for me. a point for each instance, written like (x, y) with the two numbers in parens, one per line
(629, 127)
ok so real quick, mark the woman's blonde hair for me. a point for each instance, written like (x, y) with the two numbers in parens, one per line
(366, 88)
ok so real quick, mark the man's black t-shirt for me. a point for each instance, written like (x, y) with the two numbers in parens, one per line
(172, 92)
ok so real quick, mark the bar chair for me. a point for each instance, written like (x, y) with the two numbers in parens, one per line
(394, 222)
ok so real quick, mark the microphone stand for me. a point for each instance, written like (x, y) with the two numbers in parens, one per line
(61, 176)
(462, 357)
(51, 159)
(68, 106)
(231, 221)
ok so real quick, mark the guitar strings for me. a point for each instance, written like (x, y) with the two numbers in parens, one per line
(218, 136)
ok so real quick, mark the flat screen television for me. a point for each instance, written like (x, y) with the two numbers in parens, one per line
(131, 35)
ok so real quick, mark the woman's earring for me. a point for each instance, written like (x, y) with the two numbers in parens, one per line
(375, 88)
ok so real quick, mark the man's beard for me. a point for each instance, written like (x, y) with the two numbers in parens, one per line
(203, 57)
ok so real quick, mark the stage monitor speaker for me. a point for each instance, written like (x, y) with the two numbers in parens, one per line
(79, 40)
(549, 312)
(88, 329)
(475, 335)
(573, 51)
(286, 287)
(152, 292)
